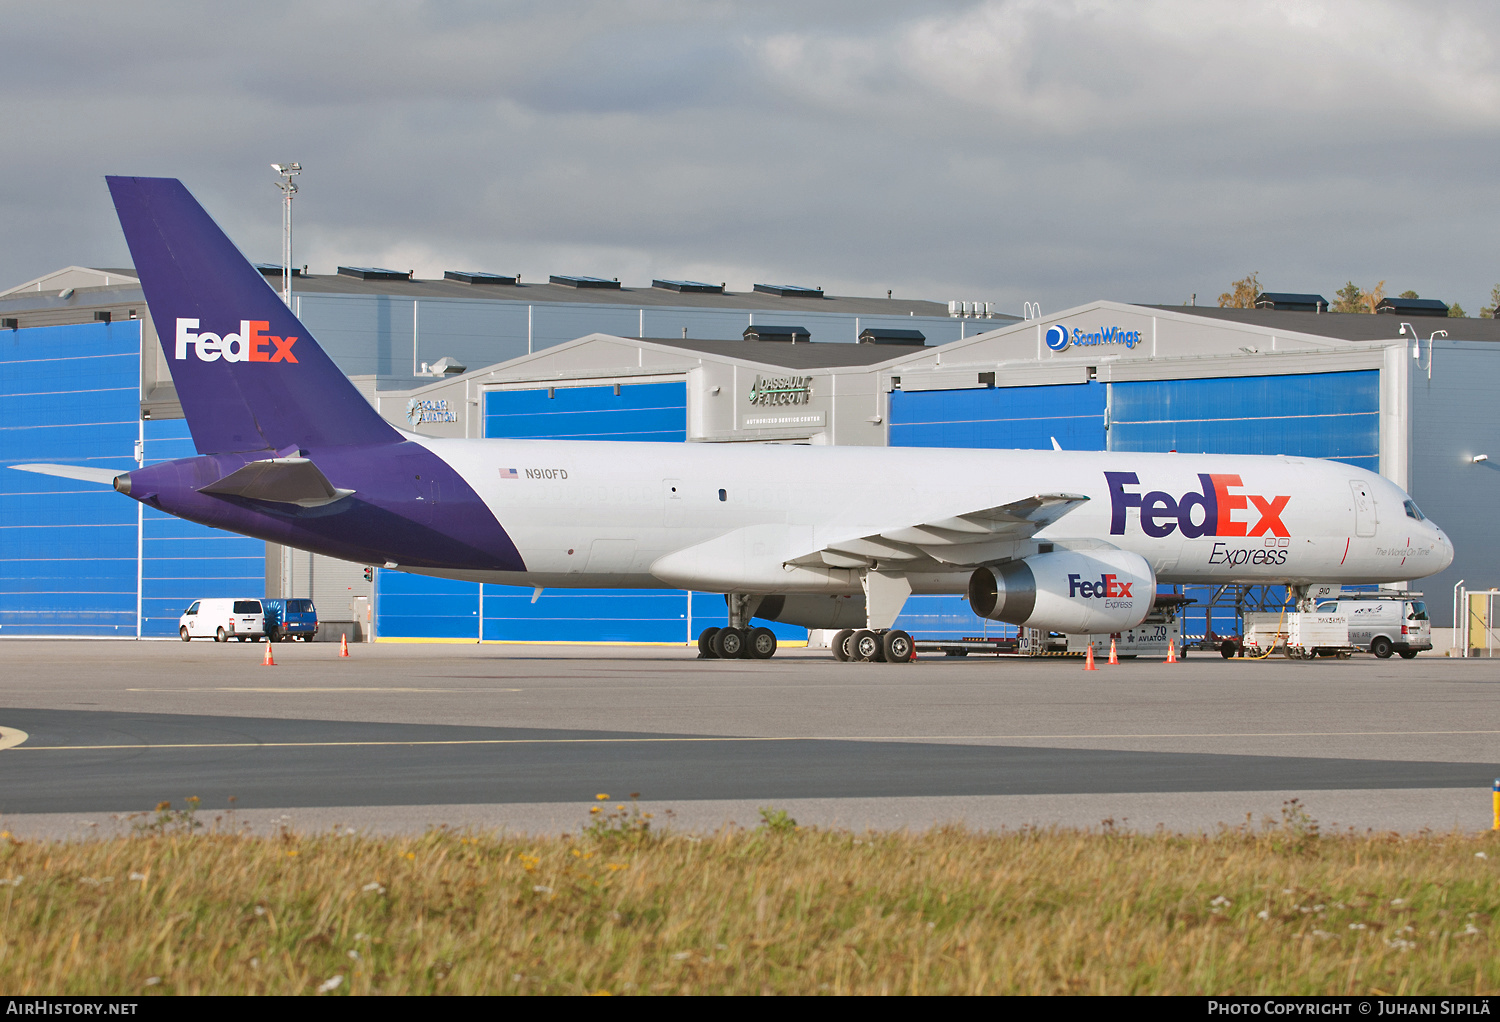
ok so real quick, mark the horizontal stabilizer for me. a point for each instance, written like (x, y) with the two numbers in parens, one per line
(106, 476)
(280, 480)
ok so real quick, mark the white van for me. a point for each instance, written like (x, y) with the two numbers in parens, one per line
(222, 620)
(1384, 626)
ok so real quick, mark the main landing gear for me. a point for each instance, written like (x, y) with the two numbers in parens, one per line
(866, 645)
(736, 644)
(739, 641)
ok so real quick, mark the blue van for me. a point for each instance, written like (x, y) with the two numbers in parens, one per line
(287, 620)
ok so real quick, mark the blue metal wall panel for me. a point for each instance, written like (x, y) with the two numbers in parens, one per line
(380, 333)
(185, 561)
(1314, 415)
(643, 411)
(68, 395)
(1007, 418)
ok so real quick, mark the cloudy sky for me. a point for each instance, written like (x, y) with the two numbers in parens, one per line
(1048, 150)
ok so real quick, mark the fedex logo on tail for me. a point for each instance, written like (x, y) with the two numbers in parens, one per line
(251, 344)
(1161, 512)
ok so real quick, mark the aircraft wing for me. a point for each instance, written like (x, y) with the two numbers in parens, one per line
(280, 480)
(969, 538)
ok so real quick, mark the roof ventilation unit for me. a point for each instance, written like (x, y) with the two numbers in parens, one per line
(694, 287)
(582, 282)
(882, 335)
(784, 334)
(1285, 301)
(1412, 307)
(475, 277)
(789, 291)
(372, 273)
(445, 366)
(273, 269)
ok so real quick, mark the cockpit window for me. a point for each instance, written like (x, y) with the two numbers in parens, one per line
(1412, 511)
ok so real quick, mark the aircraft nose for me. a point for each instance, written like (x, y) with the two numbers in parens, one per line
(1447, 552)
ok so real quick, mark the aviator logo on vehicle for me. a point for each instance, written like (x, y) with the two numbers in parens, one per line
(1161, 512)
(249, 345)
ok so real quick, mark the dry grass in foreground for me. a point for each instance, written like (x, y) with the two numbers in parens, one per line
(623, 910)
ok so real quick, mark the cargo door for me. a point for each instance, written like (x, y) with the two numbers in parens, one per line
(1364, 509)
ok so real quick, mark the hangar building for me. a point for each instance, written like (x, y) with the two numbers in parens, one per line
(1402, 393)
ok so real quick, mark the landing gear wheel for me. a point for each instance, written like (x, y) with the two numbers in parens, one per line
(183, 632)
(842, 651)
(729, 643)
(220, 636)
(898, 647)
(1381, 647)
(865, 646)
(706, 644)
(762, 644)
(1408, 654)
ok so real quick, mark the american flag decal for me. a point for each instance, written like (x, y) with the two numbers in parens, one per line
(508, 473)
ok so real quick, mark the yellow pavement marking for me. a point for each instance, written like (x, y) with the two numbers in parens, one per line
(10, 737)
(312, 689)
(672, 740)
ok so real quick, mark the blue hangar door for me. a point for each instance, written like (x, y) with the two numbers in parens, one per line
(1307, 415)
(1003, 418)
(416, 607)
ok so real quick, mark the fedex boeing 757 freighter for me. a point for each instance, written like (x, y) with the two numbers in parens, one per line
(1066, 541)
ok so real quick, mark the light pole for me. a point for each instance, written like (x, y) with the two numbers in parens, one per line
(288, 189)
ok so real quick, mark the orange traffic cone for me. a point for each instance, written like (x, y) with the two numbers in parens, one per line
(1171, 652)
(269, 661)
(344, 644)
(1088, 660)
(1112, 658)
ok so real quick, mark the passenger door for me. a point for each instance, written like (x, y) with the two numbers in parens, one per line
(671, 490)
(1365, 518)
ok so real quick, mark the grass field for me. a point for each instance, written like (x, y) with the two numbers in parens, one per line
(624, 908)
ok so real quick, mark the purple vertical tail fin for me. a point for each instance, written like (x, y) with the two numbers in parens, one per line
(248, 374)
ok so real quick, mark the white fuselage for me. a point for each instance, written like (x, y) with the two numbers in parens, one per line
(641, 515)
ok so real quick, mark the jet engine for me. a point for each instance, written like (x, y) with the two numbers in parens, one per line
(1068, 591)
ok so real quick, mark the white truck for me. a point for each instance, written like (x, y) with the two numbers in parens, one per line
(1384, 623)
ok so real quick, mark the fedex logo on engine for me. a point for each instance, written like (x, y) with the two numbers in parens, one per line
(1108, 587)
(251, 344)
(1162, 512)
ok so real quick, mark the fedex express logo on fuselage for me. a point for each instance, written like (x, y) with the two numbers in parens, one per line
(251, 344)
(1162, 513)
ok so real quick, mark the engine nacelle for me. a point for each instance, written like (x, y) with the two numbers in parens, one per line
(1067, 591)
